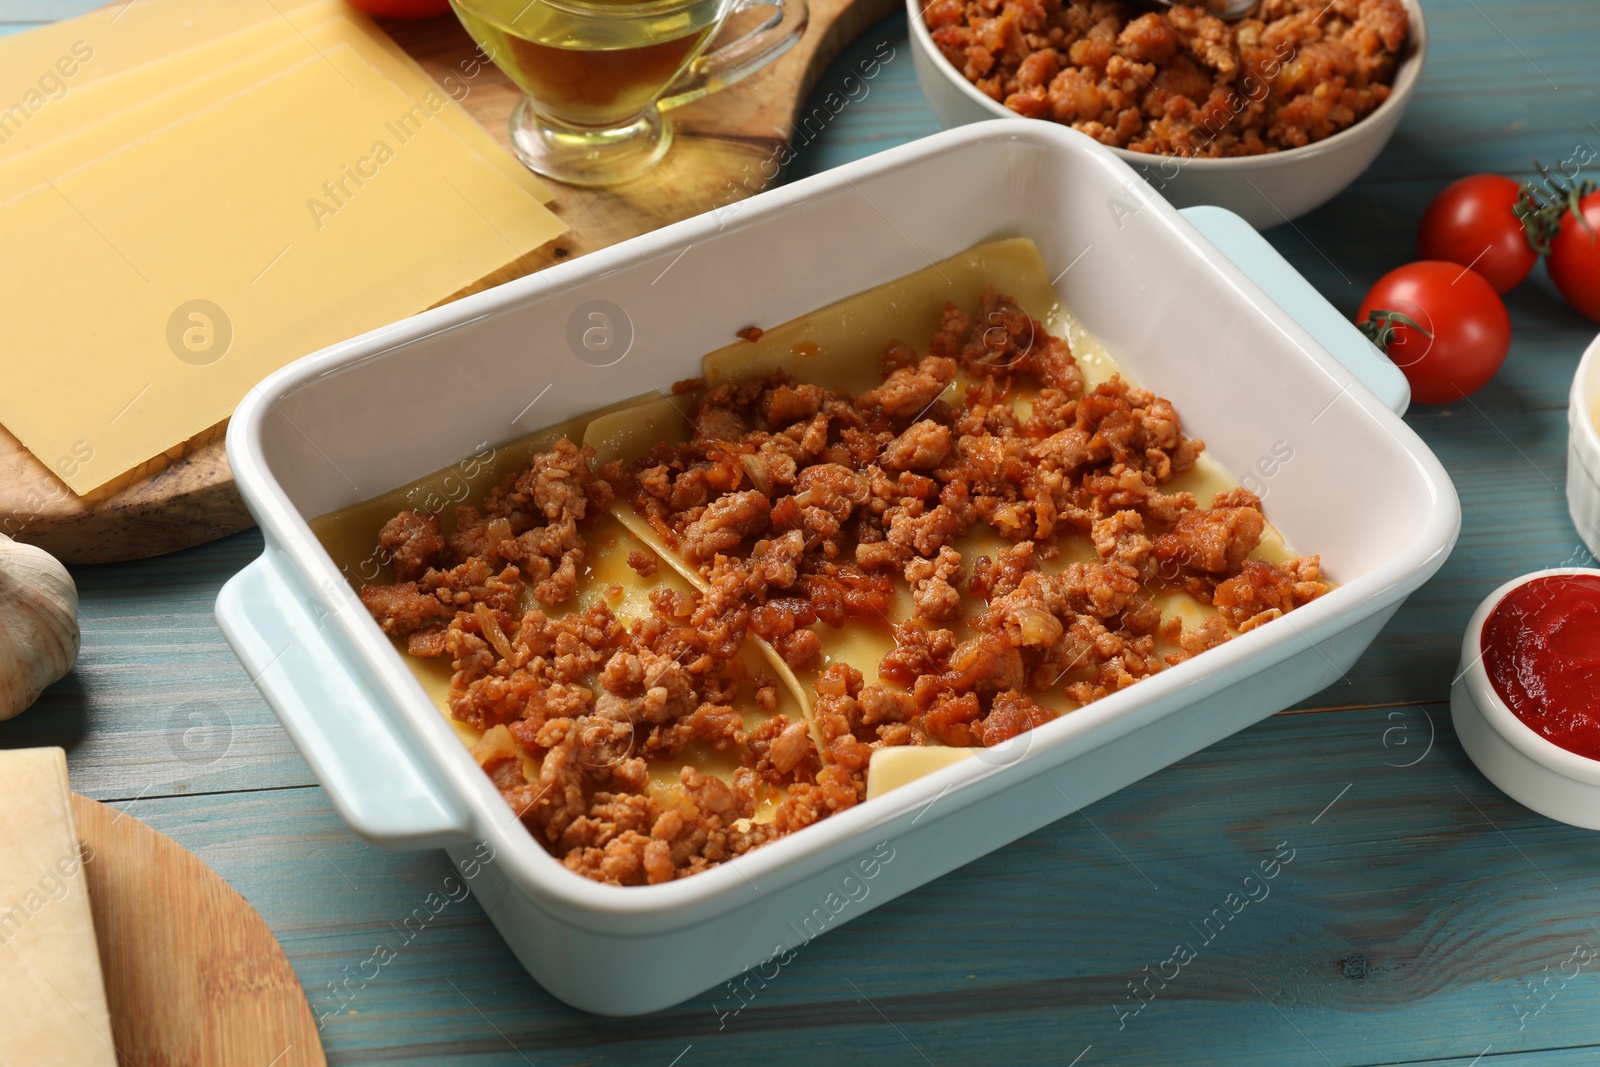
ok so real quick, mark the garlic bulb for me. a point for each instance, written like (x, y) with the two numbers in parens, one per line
(38, 624)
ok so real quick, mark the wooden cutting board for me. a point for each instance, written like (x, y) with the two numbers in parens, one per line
(193, 975)
(724, 144)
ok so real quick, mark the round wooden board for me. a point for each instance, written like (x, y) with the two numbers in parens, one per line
(724, 144)
(193, 975)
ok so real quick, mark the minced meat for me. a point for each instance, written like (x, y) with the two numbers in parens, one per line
(804, 510)
(1179, 82)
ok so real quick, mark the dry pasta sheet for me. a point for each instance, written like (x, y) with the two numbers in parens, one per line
(194, 195)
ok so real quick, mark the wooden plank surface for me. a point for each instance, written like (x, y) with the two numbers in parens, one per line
(1404, 927)
(1424, 919)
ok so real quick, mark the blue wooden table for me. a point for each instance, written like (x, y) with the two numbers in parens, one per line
(1423, 919)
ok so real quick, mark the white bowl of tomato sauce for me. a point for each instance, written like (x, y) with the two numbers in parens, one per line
(1526, 701)
(1268, 188)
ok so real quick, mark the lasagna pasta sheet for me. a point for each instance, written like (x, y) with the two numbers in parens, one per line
(211, 191)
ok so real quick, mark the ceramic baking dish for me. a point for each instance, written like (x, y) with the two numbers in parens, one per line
(383, 409)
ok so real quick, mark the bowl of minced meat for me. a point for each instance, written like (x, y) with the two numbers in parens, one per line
(1269, 117)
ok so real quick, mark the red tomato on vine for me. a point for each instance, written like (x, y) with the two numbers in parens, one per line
(403, 9)
(1563, 221)
(1575, 257)
(1474, 222)
(1442, 324)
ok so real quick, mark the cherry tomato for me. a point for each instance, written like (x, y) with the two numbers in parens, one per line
(1458, 332)
(1575, 258)
(403, 9)
(1472, 223)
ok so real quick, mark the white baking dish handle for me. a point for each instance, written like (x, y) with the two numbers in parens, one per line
(1250, 252)
(336, 719)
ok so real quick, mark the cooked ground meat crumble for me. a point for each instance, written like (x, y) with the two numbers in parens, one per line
(1179, 82)
(803, 509)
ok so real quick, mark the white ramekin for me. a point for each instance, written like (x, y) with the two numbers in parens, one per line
(1583, 450)
(1266, 190)
(1533, 771)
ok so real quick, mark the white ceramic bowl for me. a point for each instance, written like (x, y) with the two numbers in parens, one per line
(1583, 449)
(1528, 768)
(1266, 190)
(381, 410)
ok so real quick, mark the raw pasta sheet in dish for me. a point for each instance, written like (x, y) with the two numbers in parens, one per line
(861, 545)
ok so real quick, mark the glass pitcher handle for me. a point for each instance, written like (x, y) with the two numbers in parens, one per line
(740, 58)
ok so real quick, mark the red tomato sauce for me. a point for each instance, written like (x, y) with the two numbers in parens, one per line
(1541, 647)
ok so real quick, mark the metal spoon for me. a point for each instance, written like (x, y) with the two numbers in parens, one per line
(1226, 10)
